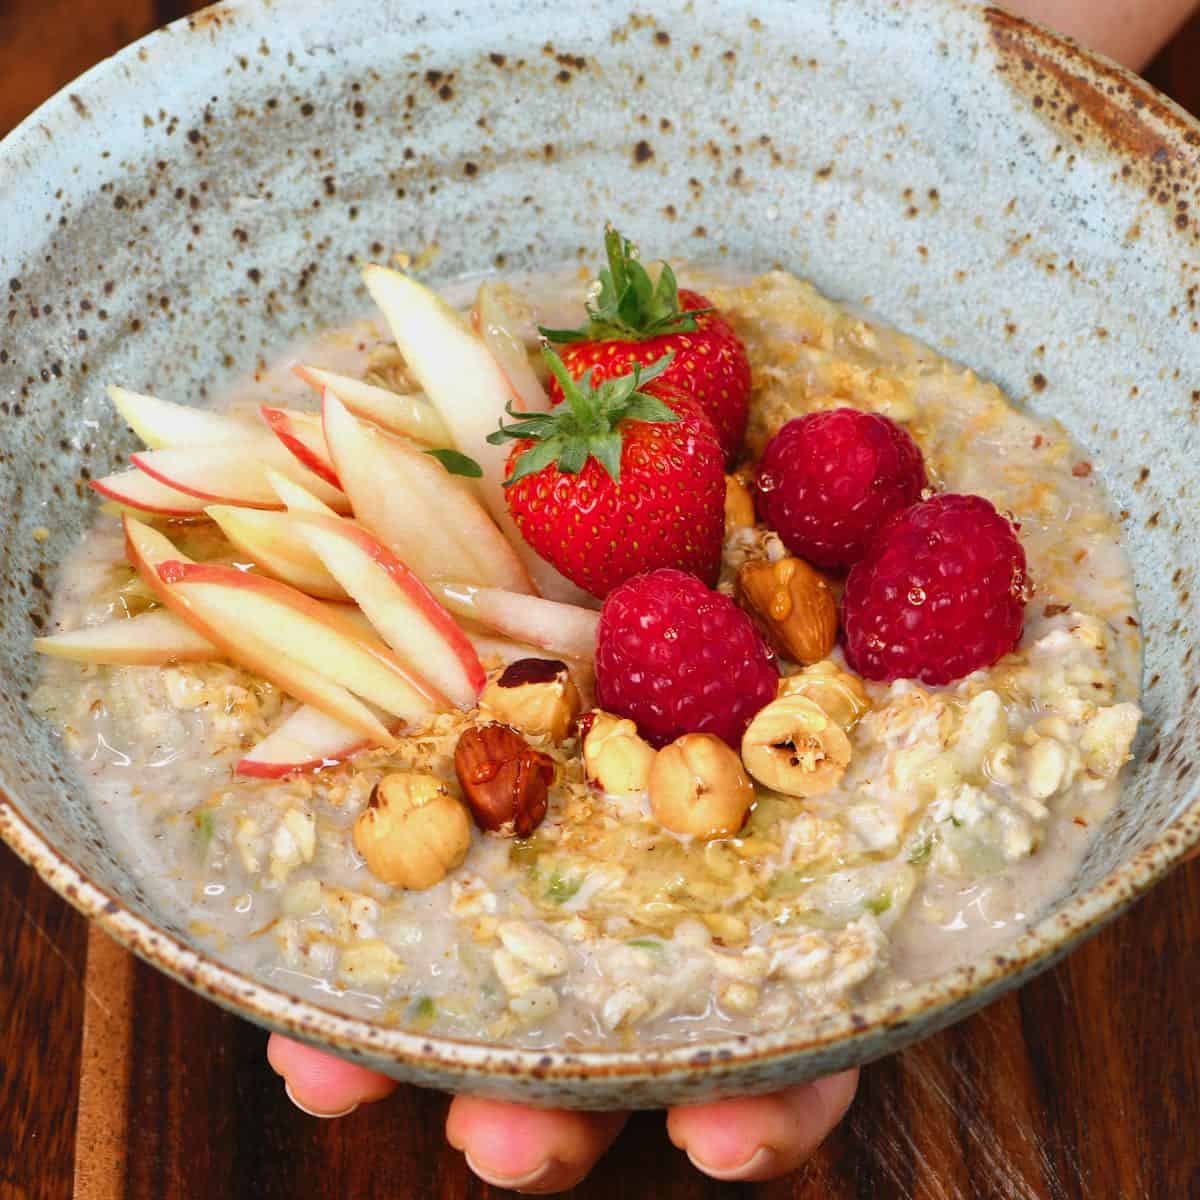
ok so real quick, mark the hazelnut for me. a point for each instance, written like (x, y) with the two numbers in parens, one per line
(536, 696)
(793, 605)
(794, 747)
(837, 693)
(413, 831)
(698, 787)
(615, 758)
(505, 782)
(739, 504)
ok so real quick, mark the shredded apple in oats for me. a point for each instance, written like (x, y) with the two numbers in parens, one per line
(272, 655)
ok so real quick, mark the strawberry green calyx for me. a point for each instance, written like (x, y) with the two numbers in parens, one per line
(628, 305)
(587, 425)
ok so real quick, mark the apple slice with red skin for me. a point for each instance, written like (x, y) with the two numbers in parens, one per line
(559, 628)
(232, 474)
(301, 628)
(410, 416)
(302, 434)
(297, 498)
(135, 489)
(163, 423)
(417, 509)
(468, 387)
(398, 605)
(148, 551)
(275, 544)
(151, 639)
(307, 740)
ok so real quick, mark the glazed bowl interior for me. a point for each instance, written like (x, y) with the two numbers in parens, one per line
(185, 211)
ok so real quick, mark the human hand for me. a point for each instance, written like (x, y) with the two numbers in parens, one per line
(540, 1151)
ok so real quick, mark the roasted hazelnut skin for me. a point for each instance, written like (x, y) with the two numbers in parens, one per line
(616, 759)
(505, 782)
(413, 831)
(698, 787)
(793, 605)
(536, 696)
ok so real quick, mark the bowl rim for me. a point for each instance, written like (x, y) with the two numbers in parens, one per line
(846, 1037)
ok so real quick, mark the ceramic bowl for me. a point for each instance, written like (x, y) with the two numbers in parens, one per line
(191, 206)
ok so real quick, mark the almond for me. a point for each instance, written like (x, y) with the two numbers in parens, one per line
(793, 605)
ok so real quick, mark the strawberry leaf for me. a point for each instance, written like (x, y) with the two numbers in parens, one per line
(588, 424)
(628, 305)
(457, 463)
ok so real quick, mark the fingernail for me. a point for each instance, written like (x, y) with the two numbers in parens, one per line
(324, 1116)
(514, 1183)
(760, 1162)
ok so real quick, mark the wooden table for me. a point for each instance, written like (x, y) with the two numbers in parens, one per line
(116, 1082)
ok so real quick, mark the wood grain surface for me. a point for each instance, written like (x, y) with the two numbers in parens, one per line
(116, 1083)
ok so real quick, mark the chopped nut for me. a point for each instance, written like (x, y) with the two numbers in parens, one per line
(795, 748)
(739, 504)
(413, 831)
(615, 758)
(698, 787)
(840, 695)
(536, 696)
(793, 605)
(505, 782)
(541, 953)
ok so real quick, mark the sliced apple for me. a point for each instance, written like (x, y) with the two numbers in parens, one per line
(135, 489)
(162, 423)
(305, 741)
(148, 550)
(277, 546)
(470, 390)
(150, 639)
(301, 628)
(232, 474)
(413, 416)
(301, 433)
(296, 497)
(415, 507)
(560, 628)
(399, 606)
(496, 319)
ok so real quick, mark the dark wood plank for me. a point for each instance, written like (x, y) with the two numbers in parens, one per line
(42, 949)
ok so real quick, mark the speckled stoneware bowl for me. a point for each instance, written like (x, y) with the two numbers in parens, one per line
(191, 206)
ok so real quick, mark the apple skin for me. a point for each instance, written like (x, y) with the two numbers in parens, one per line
(307, 740)
(360, 664)
(232, 474)
(400, 607)
(558, 628)
(135, 489)
(151, 639)
(147, 550)
(410, 416)
(301, 433)
(415, 507)
(273, 541)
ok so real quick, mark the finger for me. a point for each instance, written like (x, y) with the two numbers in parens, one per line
(761, 1137)
(530, 1150)
(321, 1085)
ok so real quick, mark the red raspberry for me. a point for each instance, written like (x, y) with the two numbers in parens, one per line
(678, 658)
(827, 481)
(941, 593)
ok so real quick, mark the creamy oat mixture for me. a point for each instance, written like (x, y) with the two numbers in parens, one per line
(964, 812)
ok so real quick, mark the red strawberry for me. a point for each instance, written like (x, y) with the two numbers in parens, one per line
(828, 480)
(616, 480)
(940, 593)
(678, 658)
(636, 322)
